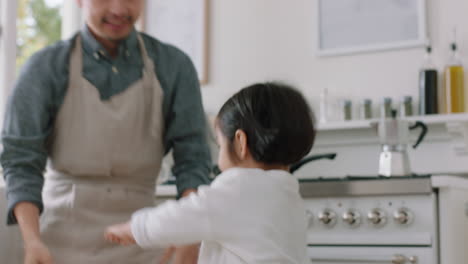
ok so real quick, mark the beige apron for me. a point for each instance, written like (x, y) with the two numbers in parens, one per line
(104, 160)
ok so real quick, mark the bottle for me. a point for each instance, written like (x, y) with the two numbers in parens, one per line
(347, 110)
(406, 106)
(386, 107)
(366, 109)
(323, 106)
(428, 98)
(453, 82)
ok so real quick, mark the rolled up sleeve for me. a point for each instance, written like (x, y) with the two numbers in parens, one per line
(186, 130)
(25, 129)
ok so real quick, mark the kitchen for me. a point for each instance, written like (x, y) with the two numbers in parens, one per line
(259, 40)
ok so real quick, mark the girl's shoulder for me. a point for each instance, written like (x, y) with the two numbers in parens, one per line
(241, 176)
(233, 176)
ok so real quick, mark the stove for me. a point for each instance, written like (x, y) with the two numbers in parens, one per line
(360, 219)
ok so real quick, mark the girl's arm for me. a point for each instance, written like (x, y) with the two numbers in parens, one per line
(182, 222)
(173, 223)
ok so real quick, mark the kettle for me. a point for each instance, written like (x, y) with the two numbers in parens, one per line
(394, 134)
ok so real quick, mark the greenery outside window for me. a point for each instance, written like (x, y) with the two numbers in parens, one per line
(38, 24)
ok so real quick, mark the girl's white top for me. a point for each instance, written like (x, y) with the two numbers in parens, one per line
(245, 216)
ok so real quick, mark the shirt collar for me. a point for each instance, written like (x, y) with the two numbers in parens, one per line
(91, 45)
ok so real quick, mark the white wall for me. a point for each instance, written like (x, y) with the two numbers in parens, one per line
(257, 40)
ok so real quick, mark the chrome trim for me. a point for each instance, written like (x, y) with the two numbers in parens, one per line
(395, 259)
(391, 186)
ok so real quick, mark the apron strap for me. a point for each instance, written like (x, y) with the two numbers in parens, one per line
(76, 60)
(148, 63)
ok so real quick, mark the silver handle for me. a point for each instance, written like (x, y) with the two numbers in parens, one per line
(395, 259)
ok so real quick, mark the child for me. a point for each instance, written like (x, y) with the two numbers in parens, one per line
(252, 212)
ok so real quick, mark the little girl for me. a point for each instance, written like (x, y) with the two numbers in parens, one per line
(252, 212)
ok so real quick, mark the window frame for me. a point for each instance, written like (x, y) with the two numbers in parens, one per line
(71, 22)
(8, 10)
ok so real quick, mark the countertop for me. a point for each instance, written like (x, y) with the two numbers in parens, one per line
(437, 181)
(452, 181)
(166, 191)
(162, 191)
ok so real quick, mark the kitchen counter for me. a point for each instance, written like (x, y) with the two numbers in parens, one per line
(163, 191)
(394, 185)
(436, 181)
(452, 181)
(166, 191)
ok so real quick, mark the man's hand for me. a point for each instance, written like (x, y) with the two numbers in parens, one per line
(120, 234)
(35, 252)
(181, 255)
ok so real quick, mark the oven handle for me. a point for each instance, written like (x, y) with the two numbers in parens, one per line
(395, 259)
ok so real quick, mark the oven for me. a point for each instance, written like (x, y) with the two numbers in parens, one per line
(372, 220)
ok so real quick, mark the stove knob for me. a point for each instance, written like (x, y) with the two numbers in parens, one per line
(310, 218)
(352, 218)
(377, 217)
(413, 259)
(327, 217)
(399, 259)
(403, 216)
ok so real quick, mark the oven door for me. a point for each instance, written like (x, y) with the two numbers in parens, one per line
(371, 255)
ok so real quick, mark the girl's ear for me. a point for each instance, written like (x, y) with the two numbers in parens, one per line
(240, 144)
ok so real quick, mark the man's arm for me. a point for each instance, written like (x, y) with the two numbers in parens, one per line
(186, 130)
(26, 126)
(27, 215)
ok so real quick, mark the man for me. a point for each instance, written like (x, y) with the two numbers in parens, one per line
(101, 109)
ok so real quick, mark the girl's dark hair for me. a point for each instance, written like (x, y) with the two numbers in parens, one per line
(276, 118)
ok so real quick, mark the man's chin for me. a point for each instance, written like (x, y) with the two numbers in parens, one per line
(117, 37)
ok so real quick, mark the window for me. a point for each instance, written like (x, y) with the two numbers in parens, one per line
(26, 26)
(38, 24)
(7, 49)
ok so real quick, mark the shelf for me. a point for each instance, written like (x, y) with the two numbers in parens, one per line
(366, 124)
(346, 125)
(439, 119)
